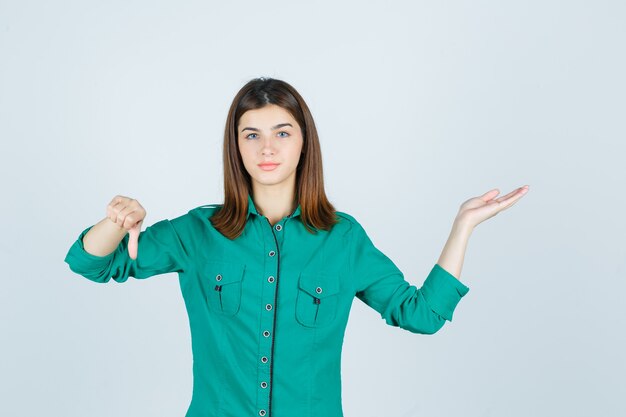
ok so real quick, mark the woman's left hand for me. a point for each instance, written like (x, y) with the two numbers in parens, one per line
(478, 209)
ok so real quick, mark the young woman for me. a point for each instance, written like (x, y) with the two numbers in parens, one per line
(269, 276)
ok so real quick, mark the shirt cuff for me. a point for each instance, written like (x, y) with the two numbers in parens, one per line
(443, 291)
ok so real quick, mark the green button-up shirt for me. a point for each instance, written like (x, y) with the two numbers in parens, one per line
(268, 310)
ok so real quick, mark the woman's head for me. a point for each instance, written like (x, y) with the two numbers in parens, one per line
(270, 134)
(261, 104)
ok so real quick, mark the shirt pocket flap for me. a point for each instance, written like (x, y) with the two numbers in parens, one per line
(319, 285)
(223, 273)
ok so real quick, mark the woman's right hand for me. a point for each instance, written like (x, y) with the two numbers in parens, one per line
(127, 214)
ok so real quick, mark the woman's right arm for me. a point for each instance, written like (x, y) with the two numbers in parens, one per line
(115, 247)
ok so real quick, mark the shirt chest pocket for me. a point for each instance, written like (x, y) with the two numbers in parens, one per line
(317, 299)
(224, 286)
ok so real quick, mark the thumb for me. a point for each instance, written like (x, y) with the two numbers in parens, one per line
(133, 239)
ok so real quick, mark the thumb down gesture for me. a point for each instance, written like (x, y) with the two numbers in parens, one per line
(128, 214)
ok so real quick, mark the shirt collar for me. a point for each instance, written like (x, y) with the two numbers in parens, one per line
(252, 208)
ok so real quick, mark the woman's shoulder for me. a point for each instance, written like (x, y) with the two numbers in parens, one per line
(348, 221)
(346, 217)
(207, 206)
(205, 209)
(194, 216)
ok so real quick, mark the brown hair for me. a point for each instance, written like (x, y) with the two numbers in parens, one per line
(316, 211)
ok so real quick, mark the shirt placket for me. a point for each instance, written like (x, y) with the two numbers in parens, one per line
(273, 237)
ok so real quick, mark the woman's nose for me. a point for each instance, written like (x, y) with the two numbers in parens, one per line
(267, 144)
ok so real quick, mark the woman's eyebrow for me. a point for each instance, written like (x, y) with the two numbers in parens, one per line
(273, 128)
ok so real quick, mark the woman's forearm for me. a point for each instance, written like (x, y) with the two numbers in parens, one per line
(103, 238)
(453, 254)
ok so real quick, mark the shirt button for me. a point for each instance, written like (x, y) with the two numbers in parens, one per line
(270, 279)
(264, 359)
(266, 333)
(272, 253)
(268, 307)
(261, 412)
(263, 384)
(218, 277)
(278, 227)
(318, 290)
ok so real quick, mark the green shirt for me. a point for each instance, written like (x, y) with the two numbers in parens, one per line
(268, 310)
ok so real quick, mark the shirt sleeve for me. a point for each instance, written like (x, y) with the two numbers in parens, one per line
(160, 250)
(381, 285)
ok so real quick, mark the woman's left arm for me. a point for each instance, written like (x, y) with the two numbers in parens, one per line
(473, 212)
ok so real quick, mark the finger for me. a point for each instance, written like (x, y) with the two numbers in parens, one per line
(506, 197)
(112, 212)
(124, 218)
(504, 204)
(520, 191)
(490, 195)
(118, 215)
(118, 198)
(116, 206)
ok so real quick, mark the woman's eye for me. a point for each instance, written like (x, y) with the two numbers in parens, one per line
(248, 137)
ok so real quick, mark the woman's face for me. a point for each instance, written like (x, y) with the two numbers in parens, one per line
(270, 134)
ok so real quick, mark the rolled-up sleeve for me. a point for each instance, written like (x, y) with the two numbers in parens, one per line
(381, 285)
(160, 250)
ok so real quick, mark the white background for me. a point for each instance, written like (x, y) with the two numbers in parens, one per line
(420, 105)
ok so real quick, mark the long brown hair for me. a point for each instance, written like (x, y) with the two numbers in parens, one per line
(315, 211)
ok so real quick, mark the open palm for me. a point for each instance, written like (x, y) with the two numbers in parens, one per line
(478, 209)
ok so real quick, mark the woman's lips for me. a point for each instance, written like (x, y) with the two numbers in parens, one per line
(268, 167)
